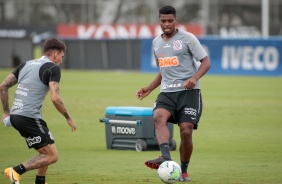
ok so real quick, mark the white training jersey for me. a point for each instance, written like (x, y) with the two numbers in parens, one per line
(176, 59)
(33, 85)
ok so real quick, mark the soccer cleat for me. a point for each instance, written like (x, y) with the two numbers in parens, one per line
(45, 183)
(155, 164)
(184, 177)
(12, 175)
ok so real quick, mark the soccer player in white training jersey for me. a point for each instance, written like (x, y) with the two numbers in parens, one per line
(35, 78)
(180, 100)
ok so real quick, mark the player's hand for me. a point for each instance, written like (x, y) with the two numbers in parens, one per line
(6, 120)
(142, 93)
(72, 124)
(190, 83)
(5, 115)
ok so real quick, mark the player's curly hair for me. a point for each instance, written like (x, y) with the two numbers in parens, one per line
(167, 10)
(54, 44)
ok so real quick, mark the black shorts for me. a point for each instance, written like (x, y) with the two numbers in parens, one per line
(184, 106)
(35, 131)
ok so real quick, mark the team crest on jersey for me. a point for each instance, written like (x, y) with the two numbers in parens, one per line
(177, 45)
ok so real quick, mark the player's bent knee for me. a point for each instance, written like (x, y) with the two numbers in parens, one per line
(53, 159)
(159, 120)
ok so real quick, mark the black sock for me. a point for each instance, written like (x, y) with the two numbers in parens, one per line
(165, 149)
(20, 169)
(40, 180)
(184, 166)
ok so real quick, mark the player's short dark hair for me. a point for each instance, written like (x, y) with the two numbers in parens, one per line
(167, 10)
(54, 44)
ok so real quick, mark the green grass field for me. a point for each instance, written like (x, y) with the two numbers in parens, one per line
(238, 140)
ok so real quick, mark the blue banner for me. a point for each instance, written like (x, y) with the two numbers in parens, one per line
(261, 57)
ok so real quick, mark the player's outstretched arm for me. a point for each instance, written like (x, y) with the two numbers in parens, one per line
(59, 104)
(145, 91)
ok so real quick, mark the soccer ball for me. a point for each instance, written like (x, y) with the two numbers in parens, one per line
(169, 172)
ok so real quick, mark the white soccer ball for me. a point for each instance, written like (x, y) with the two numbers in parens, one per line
(169, 172)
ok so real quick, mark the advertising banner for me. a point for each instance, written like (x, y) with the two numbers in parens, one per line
(262, 57)
(118, 31)
(35, 33)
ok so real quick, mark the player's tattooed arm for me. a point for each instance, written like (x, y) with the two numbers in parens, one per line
(57, 100)
(59, 104)
(10, 81)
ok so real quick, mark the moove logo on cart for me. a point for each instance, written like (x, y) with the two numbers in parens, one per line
(123, 130)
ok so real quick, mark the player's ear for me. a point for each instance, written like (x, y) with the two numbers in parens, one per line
(56, 54)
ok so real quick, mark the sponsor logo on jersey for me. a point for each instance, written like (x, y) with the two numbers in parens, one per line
(175, 85)
(123, 130)
(168, 61)
(177, 45)
(34, 140)
(167, 45)
(19, 92)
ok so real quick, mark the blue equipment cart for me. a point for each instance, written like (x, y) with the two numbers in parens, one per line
(128, 127)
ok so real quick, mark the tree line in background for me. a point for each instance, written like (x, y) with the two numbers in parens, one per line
(218, 17)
